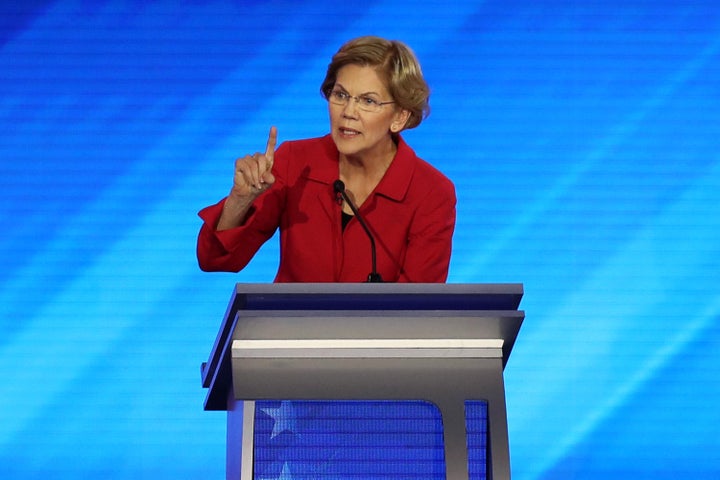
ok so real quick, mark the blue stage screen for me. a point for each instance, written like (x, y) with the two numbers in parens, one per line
(582, 137)
(372, 440)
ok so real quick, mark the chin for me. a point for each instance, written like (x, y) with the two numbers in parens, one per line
(347, 146)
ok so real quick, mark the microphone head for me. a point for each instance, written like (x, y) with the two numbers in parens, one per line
(339, 186)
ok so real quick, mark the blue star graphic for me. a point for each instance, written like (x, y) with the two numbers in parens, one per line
(284, 474)
(284, 417)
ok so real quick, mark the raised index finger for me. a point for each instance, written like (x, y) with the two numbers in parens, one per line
(270, 149)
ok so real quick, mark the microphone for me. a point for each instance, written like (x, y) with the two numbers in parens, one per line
(339, 187)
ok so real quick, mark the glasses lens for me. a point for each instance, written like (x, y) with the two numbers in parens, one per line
(366, 104)
(338, 98)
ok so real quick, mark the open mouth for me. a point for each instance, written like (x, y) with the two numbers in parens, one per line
(348, 132)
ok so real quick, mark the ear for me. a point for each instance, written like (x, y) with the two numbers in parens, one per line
(399, 120)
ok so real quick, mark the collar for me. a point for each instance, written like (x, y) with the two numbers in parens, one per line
(396, 181)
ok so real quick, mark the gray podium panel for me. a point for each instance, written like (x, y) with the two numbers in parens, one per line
(291, 348)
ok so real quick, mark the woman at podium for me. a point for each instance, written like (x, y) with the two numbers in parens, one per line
(354, 205)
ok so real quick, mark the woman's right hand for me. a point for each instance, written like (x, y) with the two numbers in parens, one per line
(253, 176)
(253, 173)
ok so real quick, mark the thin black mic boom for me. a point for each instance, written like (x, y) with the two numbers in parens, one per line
(339, 187)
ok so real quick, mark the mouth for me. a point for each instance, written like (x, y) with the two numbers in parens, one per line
(348, 132)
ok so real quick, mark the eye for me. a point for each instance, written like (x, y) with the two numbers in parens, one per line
(339, 95)
(369, 101)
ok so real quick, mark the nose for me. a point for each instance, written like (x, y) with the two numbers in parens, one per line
(350, 110)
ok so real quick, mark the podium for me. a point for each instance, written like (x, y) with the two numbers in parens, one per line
(442, 343)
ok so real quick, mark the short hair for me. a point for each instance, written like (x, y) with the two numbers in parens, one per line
(396, 64)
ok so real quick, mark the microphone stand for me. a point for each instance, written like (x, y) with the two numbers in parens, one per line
(373, 276)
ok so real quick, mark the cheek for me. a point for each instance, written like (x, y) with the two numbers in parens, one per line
(383, 126)
(334, 114)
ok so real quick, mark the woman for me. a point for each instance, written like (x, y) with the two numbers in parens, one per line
(375, 90)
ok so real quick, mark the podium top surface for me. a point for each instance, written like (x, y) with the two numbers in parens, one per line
(379, 296)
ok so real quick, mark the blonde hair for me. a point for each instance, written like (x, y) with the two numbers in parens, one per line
(396, 64)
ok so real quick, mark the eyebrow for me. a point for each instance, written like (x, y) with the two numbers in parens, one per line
(360, 95)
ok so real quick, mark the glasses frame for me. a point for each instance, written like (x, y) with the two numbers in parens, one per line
(341, 98)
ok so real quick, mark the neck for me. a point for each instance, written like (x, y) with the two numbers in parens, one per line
(362, 174)
(368, 165)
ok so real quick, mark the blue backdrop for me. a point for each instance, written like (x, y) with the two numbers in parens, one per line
(582, 137)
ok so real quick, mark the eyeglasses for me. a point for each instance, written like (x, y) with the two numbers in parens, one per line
(364, 102)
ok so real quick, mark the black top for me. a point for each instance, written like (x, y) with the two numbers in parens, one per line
(346, 217)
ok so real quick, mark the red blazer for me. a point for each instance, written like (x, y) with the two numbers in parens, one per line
(411, 214)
